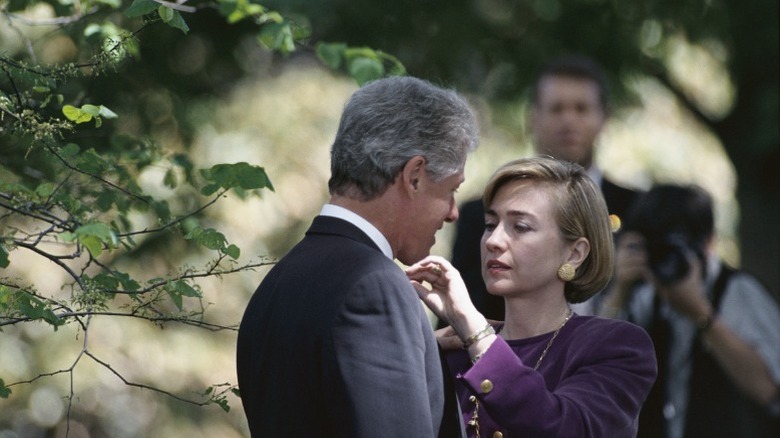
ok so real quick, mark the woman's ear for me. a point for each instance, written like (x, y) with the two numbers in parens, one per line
(578, 251)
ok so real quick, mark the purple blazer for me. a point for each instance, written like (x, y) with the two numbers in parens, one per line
(592, 382)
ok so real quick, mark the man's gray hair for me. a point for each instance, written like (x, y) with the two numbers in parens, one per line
(391, 120)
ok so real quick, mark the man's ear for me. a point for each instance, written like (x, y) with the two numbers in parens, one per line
(412, 173)
(579, 250)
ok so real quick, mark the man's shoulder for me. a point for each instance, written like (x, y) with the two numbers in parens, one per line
(612, 187)
(619, 198)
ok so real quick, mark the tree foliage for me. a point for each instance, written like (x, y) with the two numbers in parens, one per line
(82, 119)
(96, 94)
(494, 48)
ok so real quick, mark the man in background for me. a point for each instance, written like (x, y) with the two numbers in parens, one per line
(568, 112)
(716, 329)
(335, 341)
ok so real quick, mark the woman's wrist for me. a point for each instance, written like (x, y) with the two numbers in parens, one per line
(468, 323)
(479, 348)
(478, 335)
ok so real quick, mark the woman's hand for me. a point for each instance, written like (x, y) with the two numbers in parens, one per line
(448, 297)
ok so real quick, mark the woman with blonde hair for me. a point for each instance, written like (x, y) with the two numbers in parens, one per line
(545, 371)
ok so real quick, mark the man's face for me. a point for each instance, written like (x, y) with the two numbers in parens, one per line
(567, 118)
(427, 213)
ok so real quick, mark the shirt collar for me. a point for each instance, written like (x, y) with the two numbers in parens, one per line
(364, 225)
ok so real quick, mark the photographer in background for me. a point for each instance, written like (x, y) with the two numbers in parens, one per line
(716, 330)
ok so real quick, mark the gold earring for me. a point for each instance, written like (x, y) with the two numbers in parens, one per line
(566, 272)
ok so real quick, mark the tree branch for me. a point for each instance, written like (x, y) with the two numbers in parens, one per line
(143, 386)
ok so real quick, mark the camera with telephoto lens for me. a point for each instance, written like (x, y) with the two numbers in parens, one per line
(668, 257)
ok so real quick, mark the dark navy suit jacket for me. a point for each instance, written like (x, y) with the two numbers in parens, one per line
(335, 342)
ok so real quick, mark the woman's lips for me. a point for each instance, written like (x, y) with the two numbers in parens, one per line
(496, 266)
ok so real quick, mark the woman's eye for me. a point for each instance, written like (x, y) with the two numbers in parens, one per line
(489, 226)
(522, 228)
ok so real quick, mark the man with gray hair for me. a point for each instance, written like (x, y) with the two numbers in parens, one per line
(334, 341)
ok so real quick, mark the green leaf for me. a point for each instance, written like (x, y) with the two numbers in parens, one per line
(128, 284)
(92, 110)
(33, 308)
(98, 230)
(44, 190)
(106, 281)
(162, 210)
(107, 113)
(212, 239)
(141, 7)
(4, 260)
(176, 298)
(364, 70)
(233, 251)
(75, 115)
(209, 189)
(93, 236)
(166, 13)
(91, 162)
(237, 10)
(272, 17)
(4, 390)
(112, 3)
(277, 36)
(170, 179)
(105, 200)
(186, 290)
(70, 149)
(331, 54)
(238, 175)
(93, 245)
(88, 112)
(177, 22)
(178, 289)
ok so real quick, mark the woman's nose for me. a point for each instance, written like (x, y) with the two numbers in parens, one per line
(493, 239)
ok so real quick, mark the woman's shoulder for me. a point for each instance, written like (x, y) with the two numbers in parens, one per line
(599, 330)
(614, 343)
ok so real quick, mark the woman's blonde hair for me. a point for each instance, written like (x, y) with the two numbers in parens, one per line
(580, 211)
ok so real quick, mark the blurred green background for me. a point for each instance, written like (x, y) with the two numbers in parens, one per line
(695, 99)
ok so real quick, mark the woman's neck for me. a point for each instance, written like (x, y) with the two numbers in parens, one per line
(525, 317)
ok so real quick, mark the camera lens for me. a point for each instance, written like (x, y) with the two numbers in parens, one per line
(668, 259)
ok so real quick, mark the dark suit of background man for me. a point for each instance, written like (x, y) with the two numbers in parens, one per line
(568, 111)
(335, 341)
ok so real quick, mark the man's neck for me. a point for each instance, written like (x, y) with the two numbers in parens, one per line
(365, 224)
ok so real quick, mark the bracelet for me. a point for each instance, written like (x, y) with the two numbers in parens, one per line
(703, 324)
(482, 334)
